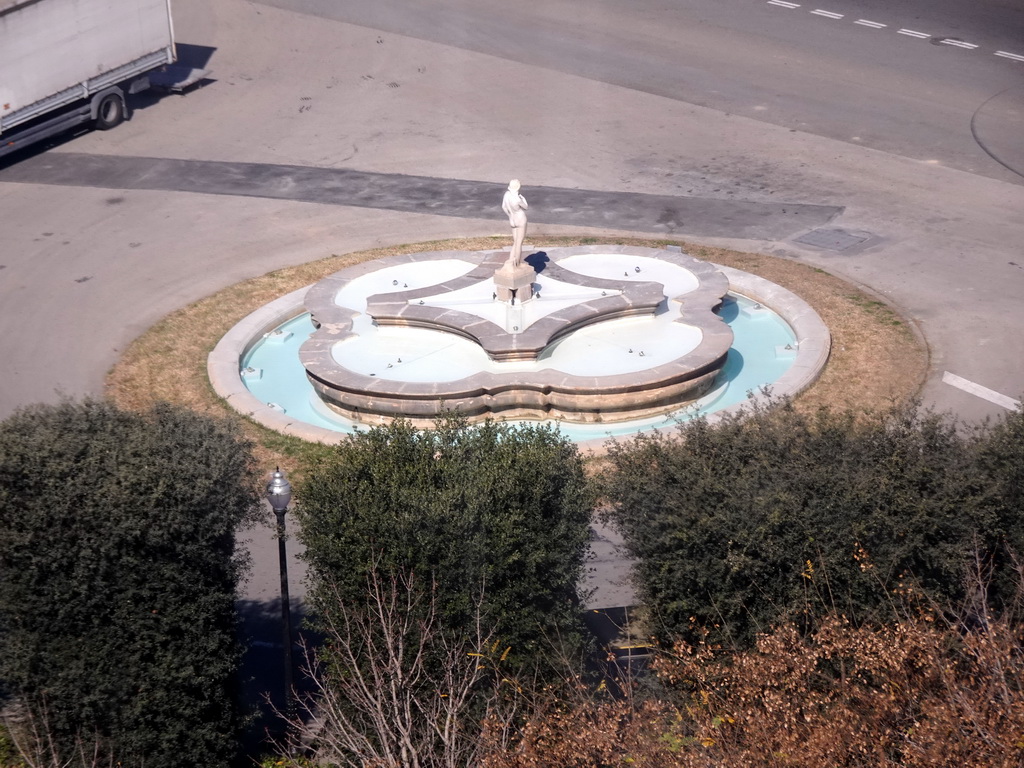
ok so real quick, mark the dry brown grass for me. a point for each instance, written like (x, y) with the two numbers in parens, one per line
(876, 357)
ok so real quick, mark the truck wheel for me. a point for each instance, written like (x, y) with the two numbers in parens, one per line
(110, 112)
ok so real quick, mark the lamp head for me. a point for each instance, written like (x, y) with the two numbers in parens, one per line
(279, 491)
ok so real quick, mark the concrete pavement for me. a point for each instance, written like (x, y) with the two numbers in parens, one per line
(88, 265)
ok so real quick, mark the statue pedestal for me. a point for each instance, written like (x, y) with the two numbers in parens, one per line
(515, 282)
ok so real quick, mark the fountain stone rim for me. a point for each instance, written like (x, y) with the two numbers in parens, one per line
(813, 346)
(549, 393)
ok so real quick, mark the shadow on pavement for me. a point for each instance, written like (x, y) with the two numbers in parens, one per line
(262, 673)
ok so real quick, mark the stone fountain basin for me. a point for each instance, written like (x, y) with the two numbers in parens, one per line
(530, 363)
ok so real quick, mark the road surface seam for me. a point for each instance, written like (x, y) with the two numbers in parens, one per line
(460, 198)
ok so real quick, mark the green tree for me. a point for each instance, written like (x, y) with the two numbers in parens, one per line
(774, 515)
(118, 572)
(485, 513)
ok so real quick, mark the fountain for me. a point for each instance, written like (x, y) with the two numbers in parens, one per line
(596, 337)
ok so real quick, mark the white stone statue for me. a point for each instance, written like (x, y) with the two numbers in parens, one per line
(515, 206)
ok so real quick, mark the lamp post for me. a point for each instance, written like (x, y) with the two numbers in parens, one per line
(279, 494)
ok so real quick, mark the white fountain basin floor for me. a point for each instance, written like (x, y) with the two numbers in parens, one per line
(625, 345)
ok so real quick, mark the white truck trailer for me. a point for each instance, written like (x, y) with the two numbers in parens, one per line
(65, 63)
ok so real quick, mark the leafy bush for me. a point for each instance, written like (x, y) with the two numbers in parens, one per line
(118, 572)
(775, 515)
(485, 512)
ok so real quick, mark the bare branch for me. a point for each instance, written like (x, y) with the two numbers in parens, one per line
(392, 689)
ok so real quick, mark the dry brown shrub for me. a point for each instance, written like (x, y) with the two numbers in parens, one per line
(590, 735)
(913, 694)
(919, 693)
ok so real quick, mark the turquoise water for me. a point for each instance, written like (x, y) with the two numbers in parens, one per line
(759, 356)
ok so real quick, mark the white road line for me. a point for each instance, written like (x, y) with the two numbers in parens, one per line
(907, 32)
(1013, 56)
(958, 44)
(979, 391)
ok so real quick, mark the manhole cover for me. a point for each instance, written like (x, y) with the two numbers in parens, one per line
(832, 239)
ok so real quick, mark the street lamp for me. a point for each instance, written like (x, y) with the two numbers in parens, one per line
(279, 494)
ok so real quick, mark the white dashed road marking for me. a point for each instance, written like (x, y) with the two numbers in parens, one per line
(979, 391)
(958, 44)
(879, 25)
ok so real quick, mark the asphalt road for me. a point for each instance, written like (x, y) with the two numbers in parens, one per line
(904, 78)
(354, 124)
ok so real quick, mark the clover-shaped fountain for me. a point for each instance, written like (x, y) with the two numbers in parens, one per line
(591, 333)
(607, 339)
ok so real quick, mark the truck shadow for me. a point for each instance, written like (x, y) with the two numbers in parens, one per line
(196, 56)
(39, 148)
(188, 73)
